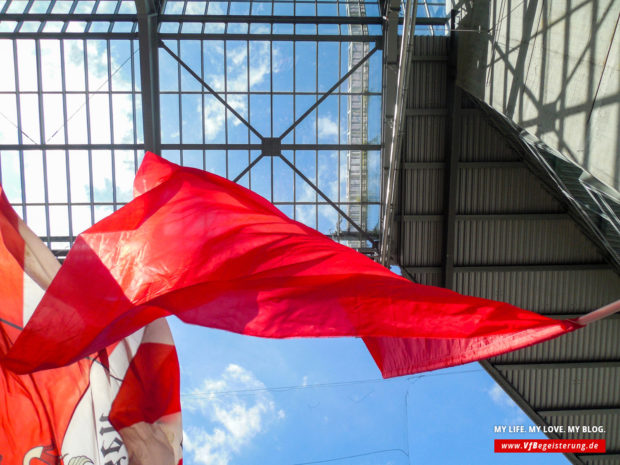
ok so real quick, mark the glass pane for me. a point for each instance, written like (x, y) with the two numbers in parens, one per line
(102, 175)
(27, 65)
(191, 117)
(11, 175)
(7, 79)
(56, 176)
(54, 119)
(75, 78)
(8, 123)
(79, 172)
(99, 118)
(124, 171)
(34, 176)
(123, 118)
(76, 119)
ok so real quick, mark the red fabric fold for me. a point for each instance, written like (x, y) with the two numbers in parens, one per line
(216, 254)
(73, 414)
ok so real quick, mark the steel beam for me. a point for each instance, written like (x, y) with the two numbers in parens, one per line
(328, 92)
(69, 35)
(604, 459)
(489, 217)
(71, 147)
(248, 168)
(390, 71)
(365, 234)
(148, 11)
(167, 18)
(611, 410)
(566, 316)
(195, 36)
(414, 165)
(514, 268)
(452, 156)
(272, 37)
(268, 19)
(535, 416)
(210, 89)
(122, 146)
(393, 113)
(556, 365)
(222, 19)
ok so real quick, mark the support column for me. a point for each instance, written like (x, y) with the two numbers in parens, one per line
(149, 72)
(453, 154)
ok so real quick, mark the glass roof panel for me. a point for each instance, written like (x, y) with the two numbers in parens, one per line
(80, 136)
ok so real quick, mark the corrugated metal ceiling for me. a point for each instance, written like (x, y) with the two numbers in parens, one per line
(515, 239)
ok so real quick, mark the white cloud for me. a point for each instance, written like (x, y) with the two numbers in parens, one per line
(327, 127)
(216, 8)
(501, 399)
(195, 8)
(238, 407)
(237, 81)
(76, 115)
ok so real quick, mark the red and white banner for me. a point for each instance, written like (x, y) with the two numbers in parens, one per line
(118, 406)
(215, 254)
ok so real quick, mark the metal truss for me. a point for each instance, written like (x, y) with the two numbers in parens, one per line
(92, 84)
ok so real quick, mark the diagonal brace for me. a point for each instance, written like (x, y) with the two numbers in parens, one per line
(366, 236)
(249, 167)
(210, 89)
(326, 94)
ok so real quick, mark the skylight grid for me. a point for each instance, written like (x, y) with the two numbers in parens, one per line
(71, 123)
(268, 7)
(59, 7)
(432, 9)
(264, 82)
(70, 131)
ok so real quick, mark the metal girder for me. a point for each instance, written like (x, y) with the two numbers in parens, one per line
(329, 92)
(123, 146)
(148, 11)
(363, 233)
(70, 146)
(267, 19)
(223, 19)
(393, 111)
(523, 404)
(272, 146)
(273, 37)
(210, 89)
(602, 458)
(463, 164)
(488, 216)
(452, 157)
(167, 18)
(557, 365)
(507, 268)
(390, 69)
(69, 35)
(615, 410)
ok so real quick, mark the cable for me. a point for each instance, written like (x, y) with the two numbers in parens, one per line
(365, 454)
(204, 394)
(17, 127)
(90, 94)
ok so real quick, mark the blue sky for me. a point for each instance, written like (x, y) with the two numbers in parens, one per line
(254, 401)
(248, 400)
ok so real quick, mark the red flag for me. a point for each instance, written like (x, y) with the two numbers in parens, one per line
(93, 411)
(216, 254)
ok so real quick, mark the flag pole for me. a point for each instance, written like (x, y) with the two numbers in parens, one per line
(599, 314)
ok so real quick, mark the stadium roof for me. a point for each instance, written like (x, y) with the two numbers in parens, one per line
(313, 105)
